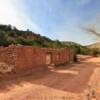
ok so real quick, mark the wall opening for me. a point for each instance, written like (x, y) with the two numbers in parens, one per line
(48, 58)
(58, 56)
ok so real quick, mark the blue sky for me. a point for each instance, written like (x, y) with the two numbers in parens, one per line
(57, 19)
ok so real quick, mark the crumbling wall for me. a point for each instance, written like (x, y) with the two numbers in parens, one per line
(26, 58)
(61, 56)
(7, 61)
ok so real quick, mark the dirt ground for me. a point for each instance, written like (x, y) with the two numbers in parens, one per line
(80, 81)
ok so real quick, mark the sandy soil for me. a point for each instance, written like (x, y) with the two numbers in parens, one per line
(80, 81)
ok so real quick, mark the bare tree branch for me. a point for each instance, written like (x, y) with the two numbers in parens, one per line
(93, 32)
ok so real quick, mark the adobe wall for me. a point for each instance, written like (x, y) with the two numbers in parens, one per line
(28, 57)
(24, 58)
(7, 59)
(59, 56)
(7, 55)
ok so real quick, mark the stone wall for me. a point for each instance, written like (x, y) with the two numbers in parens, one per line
(24, 58)
(7, 59)
(28, 57)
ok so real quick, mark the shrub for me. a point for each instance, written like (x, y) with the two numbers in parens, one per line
(3, 40)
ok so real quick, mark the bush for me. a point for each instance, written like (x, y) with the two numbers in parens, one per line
(29, 42)
(95, 52)
(74, 50)
(57, 44)
(3, 40)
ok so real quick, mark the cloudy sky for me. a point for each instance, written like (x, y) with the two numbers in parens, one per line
(57, 19)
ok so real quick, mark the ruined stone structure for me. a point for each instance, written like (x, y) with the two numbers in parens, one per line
(23, 58)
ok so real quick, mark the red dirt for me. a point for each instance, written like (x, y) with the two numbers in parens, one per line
(61, 83)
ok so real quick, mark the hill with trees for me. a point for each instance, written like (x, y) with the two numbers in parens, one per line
(11, 35)
(95, 48)
(95, 45)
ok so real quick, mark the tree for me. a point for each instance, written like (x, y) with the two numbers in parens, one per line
(3, 40)
(57, 44)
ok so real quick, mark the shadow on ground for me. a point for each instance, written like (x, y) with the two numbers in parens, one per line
(70, 78)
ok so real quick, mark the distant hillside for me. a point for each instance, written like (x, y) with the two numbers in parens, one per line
(11, 35)
(77, 48)
(95, 48)
(95, 45)
(71, 44)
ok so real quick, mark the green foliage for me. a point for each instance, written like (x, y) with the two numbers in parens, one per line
(3, 40)
(13, 35)
(29, 42)
(57, 44)
(75, 52)
(95, 52)
(5, 27)
(84, 51)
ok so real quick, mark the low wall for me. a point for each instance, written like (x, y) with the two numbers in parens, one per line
(28, 57)
(60, 56)
(24, 58)
(7, 59)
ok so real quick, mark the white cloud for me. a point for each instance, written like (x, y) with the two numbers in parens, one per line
(11, 13)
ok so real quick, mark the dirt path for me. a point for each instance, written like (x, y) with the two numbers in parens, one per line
(70, 82)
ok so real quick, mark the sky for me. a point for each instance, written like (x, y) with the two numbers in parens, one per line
(57, 19)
